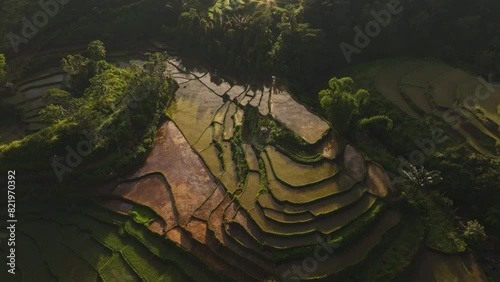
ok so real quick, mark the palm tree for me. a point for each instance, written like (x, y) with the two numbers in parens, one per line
(421, 178)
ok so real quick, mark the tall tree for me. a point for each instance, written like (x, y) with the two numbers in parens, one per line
(339, 102)
(74, 64)
(342, 105)
(96, 50)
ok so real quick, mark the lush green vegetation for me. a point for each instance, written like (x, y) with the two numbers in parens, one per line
(143, 215)
(106, 130)
(342, 106)
(239, 156)
(273, 37)
(264, 180)
(399, 255)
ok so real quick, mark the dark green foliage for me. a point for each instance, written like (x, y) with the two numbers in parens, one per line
(442, 233)
(117, 114)
(74, 64)
(295, 39)
(80, 21)
(399, 255)
(239, 155)
(80, 69)
(253, 38)
(420, 178)
(282, 135)
(474, 232)
(389, 124)
(392, 256)
(96, 51)
(405, 130)
(343, 105)
(471, 180)
(3, 68)
(220, 154)
(251, 120)
(264, 180)
(59, 106)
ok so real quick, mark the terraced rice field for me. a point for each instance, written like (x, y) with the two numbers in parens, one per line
(245, 208)
(436, 267)
(387, 83)
(296, 175)
(307, 125)
(466, 102)
(210, 203)
(416, 98)
(11, 132)
(79, 245)
(28, 97)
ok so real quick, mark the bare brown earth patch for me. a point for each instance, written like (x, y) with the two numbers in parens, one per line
(157, 226)
(118, 206)
(354, 163)
(189, 179)
(151, 191)
(331, 147)
(378, 182)
(307, 125)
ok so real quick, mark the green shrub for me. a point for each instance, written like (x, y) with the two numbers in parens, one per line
(239, 156)
(441, 231)
(474, 232)
(264, 180)
(142, 214)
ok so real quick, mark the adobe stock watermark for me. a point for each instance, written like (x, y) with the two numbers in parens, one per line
(31, 27)
(372, 29)
(427, 146)
(322, 252)
(74, 155)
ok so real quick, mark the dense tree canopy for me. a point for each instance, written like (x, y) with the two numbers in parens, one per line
(286, 38)
(120, 108)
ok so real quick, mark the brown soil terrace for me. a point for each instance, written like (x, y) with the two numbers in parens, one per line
(239, 231)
